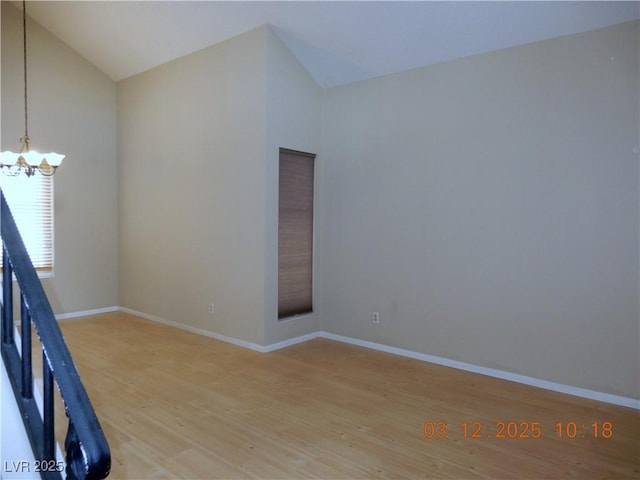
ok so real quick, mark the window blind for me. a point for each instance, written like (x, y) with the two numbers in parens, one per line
(295, 234)
(31, 202)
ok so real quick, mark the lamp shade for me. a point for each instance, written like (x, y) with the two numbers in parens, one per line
(33, 158)
(9, 158)
(54, 159)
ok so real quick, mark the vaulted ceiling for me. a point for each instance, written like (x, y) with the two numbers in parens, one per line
(337, 42)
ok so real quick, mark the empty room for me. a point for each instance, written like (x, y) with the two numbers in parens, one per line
(335, 240)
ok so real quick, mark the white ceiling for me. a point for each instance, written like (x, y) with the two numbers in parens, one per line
(338, 42)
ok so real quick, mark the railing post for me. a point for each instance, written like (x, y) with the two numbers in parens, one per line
(7, 299)
(25, 335)
(71, 445)
(47, 414)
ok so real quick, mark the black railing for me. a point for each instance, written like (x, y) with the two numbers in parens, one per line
(87, 452)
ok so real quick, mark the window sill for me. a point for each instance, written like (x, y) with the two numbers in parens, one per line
(41, 275)
(292, 318)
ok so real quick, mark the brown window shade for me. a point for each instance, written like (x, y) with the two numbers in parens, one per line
(31, 202)
(295, 234)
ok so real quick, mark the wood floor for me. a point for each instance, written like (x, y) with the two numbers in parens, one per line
(178, 405)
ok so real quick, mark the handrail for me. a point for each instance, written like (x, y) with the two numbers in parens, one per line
(87, 450)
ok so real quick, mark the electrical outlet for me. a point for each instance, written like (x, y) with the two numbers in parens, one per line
(375, 317)
(212, 308)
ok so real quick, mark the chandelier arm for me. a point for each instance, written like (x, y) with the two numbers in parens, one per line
(47, 173)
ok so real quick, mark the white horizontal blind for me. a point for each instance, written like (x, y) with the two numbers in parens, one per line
(31, 202)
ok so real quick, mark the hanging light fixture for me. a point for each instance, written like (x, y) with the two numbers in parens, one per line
(27, 161)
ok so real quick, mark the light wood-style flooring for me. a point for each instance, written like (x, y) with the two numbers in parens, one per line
(178, 405)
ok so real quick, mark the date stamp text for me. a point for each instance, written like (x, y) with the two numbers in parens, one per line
(517, 429)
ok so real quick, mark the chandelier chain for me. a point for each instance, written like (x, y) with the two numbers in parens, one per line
(24, 53)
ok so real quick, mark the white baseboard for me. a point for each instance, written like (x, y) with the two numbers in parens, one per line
(83, 313)
(491, 372)
(234, 341)
(292, 341)
(469, 367)
(86, 313)
(223, 338)
(199, 331)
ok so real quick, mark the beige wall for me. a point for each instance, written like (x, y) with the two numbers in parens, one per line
(191, 143)
(207, 231)
(72, 111)
(488, 209)
(294, 107)
(230, 106)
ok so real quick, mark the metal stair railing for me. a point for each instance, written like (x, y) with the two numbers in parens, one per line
(87, 451)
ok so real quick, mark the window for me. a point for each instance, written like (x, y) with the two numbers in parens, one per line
(295, 234)
(31, 202)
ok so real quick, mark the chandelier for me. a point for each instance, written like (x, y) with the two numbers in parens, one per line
(28, 161)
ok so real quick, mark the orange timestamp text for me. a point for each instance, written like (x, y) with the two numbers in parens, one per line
(517, 429)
